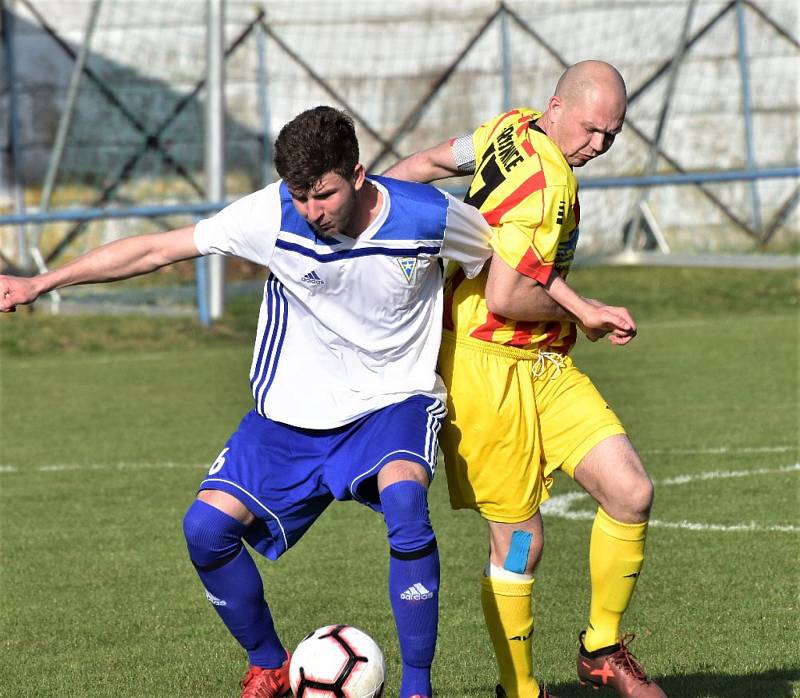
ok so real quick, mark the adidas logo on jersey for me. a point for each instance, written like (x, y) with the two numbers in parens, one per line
(213, 599)
(313, 279)
(416, 593)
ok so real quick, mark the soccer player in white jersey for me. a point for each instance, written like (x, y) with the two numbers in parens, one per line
(347, 401)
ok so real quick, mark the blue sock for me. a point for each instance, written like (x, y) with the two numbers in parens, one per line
(233, 584)
(413, 582)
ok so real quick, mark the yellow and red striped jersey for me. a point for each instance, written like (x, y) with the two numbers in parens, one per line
(527, 192)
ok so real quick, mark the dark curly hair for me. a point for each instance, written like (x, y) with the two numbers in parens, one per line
(315, 142)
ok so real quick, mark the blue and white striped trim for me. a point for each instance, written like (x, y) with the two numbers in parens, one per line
(394, 455)
(269, 351)
(436, 414)
(255, 499)
(358, 251)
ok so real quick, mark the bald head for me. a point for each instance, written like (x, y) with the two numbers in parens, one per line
(586, 112)
(588, 78)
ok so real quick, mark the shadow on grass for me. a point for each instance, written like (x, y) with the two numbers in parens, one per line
(771, 684)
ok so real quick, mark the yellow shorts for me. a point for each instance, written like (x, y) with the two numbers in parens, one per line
(514, 417)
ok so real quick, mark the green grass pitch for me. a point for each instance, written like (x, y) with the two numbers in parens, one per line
(109, 423)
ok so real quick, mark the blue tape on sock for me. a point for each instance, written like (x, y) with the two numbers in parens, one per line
(517, 558)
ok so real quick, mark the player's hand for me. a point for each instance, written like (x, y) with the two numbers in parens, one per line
(593, 334)
(14, 291)
(603, 320)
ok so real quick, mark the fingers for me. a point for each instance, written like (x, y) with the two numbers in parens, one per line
(620, 340)
(13, 292)
(614, 321)
(625, 314)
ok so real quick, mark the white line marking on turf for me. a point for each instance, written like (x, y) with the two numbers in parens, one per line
(66, 467)
(561, 505)
(721, 450)
(723, 474)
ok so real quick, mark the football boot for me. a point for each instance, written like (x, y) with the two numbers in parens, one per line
(616, 668)
(267, 683)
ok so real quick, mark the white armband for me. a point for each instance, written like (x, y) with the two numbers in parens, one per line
(464, 153)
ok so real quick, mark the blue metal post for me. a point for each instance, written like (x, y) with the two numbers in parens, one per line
(201, 287)
(748, 114)
(505, 59)
(7, 25)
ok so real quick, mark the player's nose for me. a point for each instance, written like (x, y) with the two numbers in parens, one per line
(314, 211)
(598, 142)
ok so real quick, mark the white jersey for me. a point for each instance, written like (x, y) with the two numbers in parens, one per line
(348, 325)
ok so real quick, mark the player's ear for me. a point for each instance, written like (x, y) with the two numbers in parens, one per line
(359, 175)
(554, 107)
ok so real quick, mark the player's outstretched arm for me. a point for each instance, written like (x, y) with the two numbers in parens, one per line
(593, 315)
(120, 259)
(426, 165)
(514, 295)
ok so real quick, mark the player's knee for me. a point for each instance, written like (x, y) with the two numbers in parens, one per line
(522, 553)
(635, 497)
(212, 537)
(537, 549)
(405, 510)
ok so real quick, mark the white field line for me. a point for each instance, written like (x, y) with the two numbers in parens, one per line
(719, 450)
(704, 322)
(722, 450)
(120, 357)
(561, 505)
(66, 467)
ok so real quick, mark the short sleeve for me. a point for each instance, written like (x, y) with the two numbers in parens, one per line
(467, 235)
(247, 228)
(529, 236)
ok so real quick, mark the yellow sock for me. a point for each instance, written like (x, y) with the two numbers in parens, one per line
(616, 553)
(509, 618)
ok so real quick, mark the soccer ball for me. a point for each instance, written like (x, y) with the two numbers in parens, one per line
(337, 661)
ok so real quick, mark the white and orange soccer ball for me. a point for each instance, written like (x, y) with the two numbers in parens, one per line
(337, 661)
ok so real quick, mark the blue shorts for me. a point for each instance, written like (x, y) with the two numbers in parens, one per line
(286, 476)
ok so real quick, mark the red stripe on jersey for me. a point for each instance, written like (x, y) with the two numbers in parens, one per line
(449, 293)
(528, 148)
(523, 122)
(552, 334)
(553, 330)
(529, 186)
(487, 329)
(532, 266)
(501, 120)
(576, 209)
(523, 332)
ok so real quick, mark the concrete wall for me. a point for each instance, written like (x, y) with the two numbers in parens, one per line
(381, 59)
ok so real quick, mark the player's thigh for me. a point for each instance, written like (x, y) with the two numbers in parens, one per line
(394, 443)
(274, 471)
(573, 417)
(517, 547)
(227, 504)
(613, 474)
(402, 471)
(490, 438)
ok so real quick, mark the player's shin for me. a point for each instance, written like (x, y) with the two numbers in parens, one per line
(506, 602)
(616, 554)
(413, 582)
(232, 582)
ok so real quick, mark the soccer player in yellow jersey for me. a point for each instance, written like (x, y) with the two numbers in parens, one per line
(518, 407)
